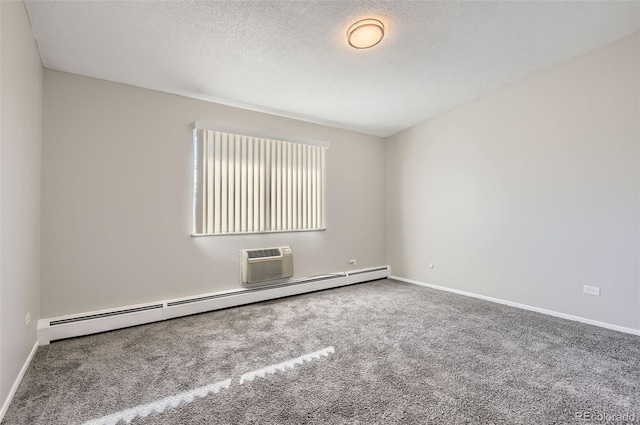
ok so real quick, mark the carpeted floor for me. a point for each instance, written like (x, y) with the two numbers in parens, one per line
(380, 352)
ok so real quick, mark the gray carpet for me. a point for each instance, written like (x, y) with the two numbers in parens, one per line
(401, 354)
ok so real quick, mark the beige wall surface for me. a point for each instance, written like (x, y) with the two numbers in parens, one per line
(117, 186)
(20, 144)
(529, 193)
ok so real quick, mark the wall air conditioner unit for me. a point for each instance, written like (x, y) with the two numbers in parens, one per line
(261, 265)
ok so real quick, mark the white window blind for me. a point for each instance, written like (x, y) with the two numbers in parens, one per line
(246, 184)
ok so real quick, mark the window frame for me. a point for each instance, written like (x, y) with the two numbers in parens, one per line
(198, 173)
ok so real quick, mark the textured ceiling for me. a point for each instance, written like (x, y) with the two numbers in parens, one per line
(291, 57)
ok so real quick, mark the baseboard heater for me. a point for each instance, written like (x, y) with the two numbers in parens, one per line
(70, 326)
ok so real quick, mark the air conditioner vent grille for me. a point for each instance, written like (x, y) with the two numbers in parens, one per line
(264, 253)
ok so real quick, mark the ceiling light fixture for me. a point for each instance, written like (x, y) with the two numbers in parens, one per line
(365, 33)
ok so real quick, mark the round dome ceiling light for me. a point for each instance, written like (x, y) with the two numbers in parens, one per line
(365, 33)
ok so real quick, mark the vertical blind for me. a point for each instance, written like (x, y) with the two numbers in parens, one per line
(246, 184)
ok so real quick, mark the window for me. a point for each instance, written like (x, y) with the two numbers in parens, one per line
(247, 184)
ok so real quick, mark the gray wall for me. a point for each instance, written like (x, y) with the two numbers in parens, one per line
(116, 204)
(529, 193)
(20, 142)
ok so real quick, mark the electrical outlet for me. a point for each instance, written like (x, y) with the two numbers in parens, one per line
(352, 262)
(591, 290)
(27, 319)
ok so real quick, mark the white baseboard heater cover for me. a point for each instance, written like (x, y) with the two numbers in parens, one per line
(70, 326)
(265, 264)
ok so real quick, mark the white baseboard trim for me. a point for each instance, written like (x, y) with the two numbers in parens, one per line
(524, 306)
(16, 383)
(51, 329)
